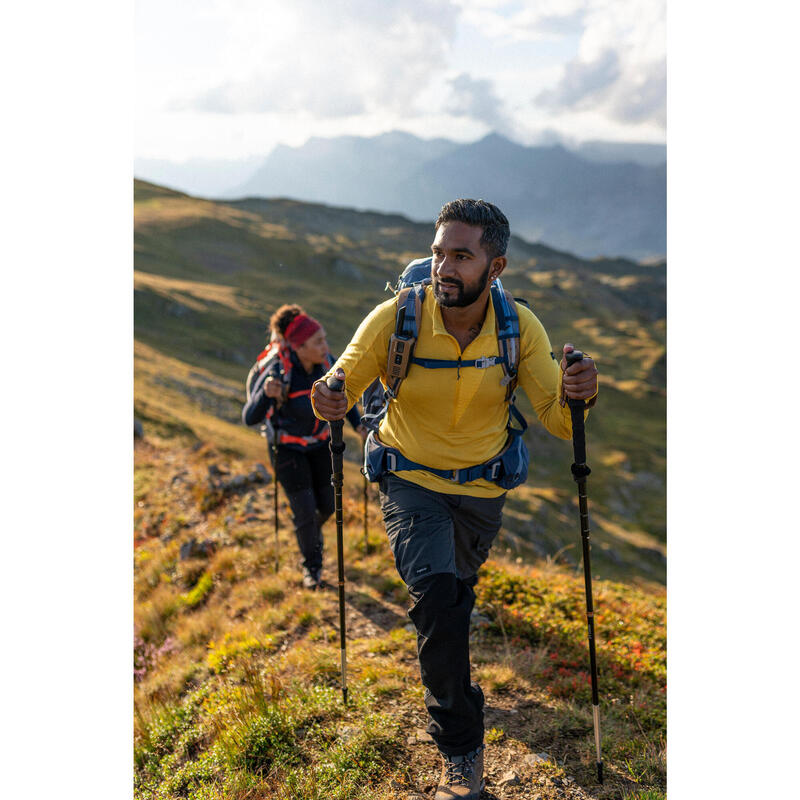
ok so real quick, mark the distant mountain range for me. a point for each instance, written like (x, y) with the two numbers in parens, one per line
(600, 199)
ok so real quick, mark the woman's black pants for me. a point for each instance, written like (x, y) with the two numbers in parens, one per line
(306, 478)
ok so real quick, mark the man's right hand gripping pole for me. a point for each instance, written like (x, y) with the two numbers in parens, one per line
(328, 403)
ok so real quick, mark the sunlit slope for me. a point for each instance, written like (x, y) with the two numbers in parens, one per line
(208, 274)
(237, 668)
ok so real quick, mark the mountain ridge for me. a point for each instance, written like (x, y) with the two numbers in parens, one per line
(595, 198)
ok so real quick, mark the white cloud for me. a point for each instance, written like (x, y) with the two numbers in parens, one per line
(531, 21)
(223, 78)
(334, 59)
(476, 99)
(620, 68)
(583, 83)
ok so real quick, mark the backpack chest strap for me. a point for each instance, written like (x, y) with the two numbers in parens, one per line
(484, 362)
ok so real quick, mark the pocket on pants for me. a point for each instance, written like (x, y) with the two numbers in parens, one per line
(422, 545)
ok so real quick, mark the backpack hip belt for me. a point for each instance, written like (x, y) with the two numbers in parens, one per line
(507, 469)
(305, 441)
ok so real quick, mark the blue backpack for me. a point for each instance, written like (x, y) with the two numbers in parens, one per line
(509, 468)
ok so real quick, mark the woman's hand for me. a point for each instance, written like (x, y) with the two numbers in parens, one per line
(273, 388)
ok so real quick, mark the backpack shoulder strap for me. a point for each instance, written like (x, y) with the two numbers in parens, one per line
(507, 324)
(406, 330)
(262, 361)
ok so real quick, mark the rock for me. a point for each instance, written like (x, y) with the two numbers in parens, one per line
(179, 477)
(188, 549)
(193, 549)
(423, 735)
(138, 429)
(346, 733)
(532, 759)
(262, 471)
(509, 778)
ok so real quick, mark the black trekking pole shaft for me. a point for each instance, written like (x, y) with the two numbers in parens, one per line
(275, 498)
(366, 540)
(337, 479)
(580, 471)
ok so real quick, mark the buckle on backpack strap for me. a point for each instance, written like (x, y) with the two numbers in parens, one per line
(454, 476)
(391, 462)
(485, 361)
(494, 470)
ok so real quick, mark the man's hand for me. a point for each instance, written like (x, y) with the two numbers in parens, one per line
(328, 404)
(580, 380)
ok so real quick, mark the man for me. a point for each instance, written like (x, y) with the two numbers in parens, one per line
(440, 531)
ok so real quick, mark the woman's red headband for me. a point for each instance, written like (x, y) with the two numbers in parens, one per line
(300, 329)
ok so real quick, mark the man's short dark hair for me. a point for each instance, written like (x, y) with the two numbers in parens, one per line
(484, 215)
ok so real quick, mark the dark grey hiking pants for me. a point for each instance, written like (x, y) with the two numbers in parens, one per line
(439, 541)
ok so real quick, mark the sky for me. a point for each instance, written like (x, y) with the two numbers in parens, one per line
(229, 79)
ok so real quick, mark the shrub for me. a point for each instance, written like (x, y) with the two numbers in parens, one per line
(198, 594)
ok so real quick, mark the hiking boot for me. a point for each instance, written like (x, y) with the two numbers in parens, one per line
(462, 777)
(311, 579)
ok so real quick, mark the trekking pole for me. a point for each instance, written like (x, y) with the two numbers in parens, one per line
(337, 478)
(580, 471)
(366, 541)
(275, 495)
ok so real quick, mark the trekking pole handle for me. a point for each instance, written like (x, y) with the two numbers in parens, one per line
(573, 358)
(334, 384)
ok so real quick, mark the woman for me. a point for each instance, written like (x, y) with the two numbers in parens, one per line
(282, 396)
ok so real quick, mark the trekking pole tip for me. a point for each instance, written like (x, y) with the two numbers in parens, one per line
(600, 771)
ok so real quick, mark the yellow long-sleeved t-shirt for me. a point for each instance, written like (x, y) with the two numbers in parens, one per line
(449, 418)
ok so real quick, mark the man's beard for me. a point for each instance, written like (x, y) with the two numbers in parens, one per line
(463, 297)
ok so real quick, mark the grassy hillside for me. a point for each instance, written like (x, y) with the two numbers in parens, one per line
(208, 274)
(236, 667)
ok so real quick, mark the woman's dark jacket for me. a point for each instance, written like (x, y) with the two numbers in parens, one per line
(294, 421)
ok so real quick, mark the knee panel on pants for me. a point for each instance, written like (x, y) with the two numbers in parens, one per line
(442, 607)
